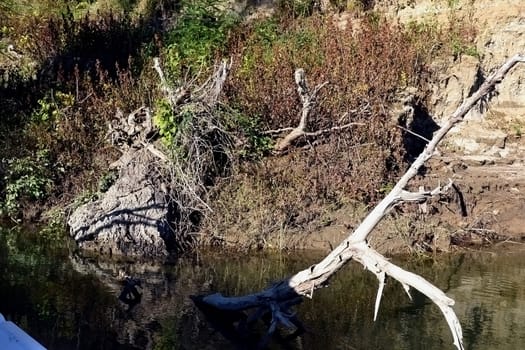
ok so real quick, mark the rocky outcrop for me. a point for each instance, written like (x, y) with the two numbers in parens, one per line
(493, 131)
(131, 218)
(485, 154)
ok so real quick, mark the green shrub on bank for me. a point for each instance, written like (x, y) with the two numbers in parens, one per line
(166, 121)
(201, 29)
(26, 179)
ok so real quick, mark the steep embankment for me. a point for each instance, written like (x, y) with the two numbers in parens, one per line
(260, 187)
(484, 156)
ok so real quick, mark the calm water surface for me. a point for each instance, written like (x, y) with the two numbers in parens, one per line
(68, 301)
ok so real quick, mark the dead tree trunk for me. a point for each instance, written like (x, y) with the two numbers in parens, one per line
(278, 298)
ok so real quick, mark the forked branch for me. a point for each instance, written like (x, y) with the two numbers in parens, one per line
(355, 246)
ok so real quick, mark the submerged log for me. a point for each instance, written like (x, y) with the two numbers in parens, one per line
(277, 298)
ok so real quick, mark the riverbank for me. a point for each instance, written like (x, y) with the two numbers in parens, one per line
(484, 156)
(395, 73)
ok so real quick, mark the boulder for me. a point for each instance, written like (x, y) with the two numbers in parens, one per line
(132, 217)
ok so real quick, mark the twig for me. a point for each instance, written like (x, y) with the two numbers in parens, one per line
(413, 133)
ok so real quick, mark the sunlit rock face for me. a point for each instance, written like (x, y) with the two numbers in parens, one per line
(498, 30)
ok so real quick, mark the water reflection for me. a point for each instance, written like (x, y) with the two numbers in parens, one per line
(69, 301)
(58, 306)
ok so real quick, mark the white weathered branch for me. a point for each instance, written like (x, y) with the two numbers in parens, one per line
(355, 246)
(422, 195)
(212, 88)
(380, 266)
(308, 100)
(174, 96)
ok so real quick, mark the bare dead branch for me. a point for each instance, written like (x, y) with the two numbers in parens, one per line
(422, 195)
(212, 88)
(413, 133)
(332, 129)
(355, 246)
(308, 100)
(276, 131)
(174, 96)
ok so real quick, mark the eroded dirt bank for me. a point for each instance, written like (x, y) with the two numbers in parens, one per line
(484, 156)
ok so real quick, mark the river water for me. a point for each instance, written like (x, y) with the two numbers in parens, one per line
(69, 301)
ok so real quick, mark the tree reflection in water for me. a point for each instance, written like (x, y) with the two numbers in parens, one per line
(68, 301)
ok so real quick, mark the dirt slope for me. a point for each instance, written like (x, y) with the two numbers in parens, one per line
(484, 156)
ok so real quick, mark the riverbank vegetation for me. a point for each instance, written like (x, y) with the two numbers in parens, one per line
(66, 71)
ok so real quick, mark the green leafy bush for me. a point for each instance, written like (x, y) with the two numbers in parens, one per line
(50, 108)
(201, 30)
(26, 178)
(165, 120)
(257, 144)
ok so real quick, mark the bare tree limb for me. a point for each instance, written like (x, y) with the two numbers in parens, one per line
(212, 88)
(308, 100)
(174, 96)
(355, 246)
(413, 133)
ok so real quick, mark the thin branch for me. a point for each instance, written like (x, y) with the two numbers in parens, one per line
(333, 129)
(413, 133)
(423, 195)
(276, 131)
(381, 277)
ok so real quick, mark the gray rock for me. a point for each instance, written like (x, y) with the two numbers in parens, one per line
(131, 218)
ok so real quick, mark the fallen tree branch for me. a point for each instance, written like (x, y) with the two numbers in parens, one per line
(308, 100)
(355, 246)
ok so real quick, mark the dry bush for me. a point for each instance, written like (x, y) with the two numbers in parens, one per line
(366, 64)
(105, 40)
(84, 75)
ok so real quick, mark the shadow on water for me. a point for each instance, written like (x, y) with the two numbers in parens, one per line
(59, 307)
(69, 301)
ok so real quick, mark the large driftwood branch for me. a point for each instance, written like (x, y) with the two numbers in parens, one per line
(303, 283)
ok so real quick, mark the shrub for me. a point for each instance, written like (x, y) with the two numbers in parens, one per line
(200, 31)
(297, 8)
(364, 66)
(26, 178)
(367, 63)
(166, 121)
